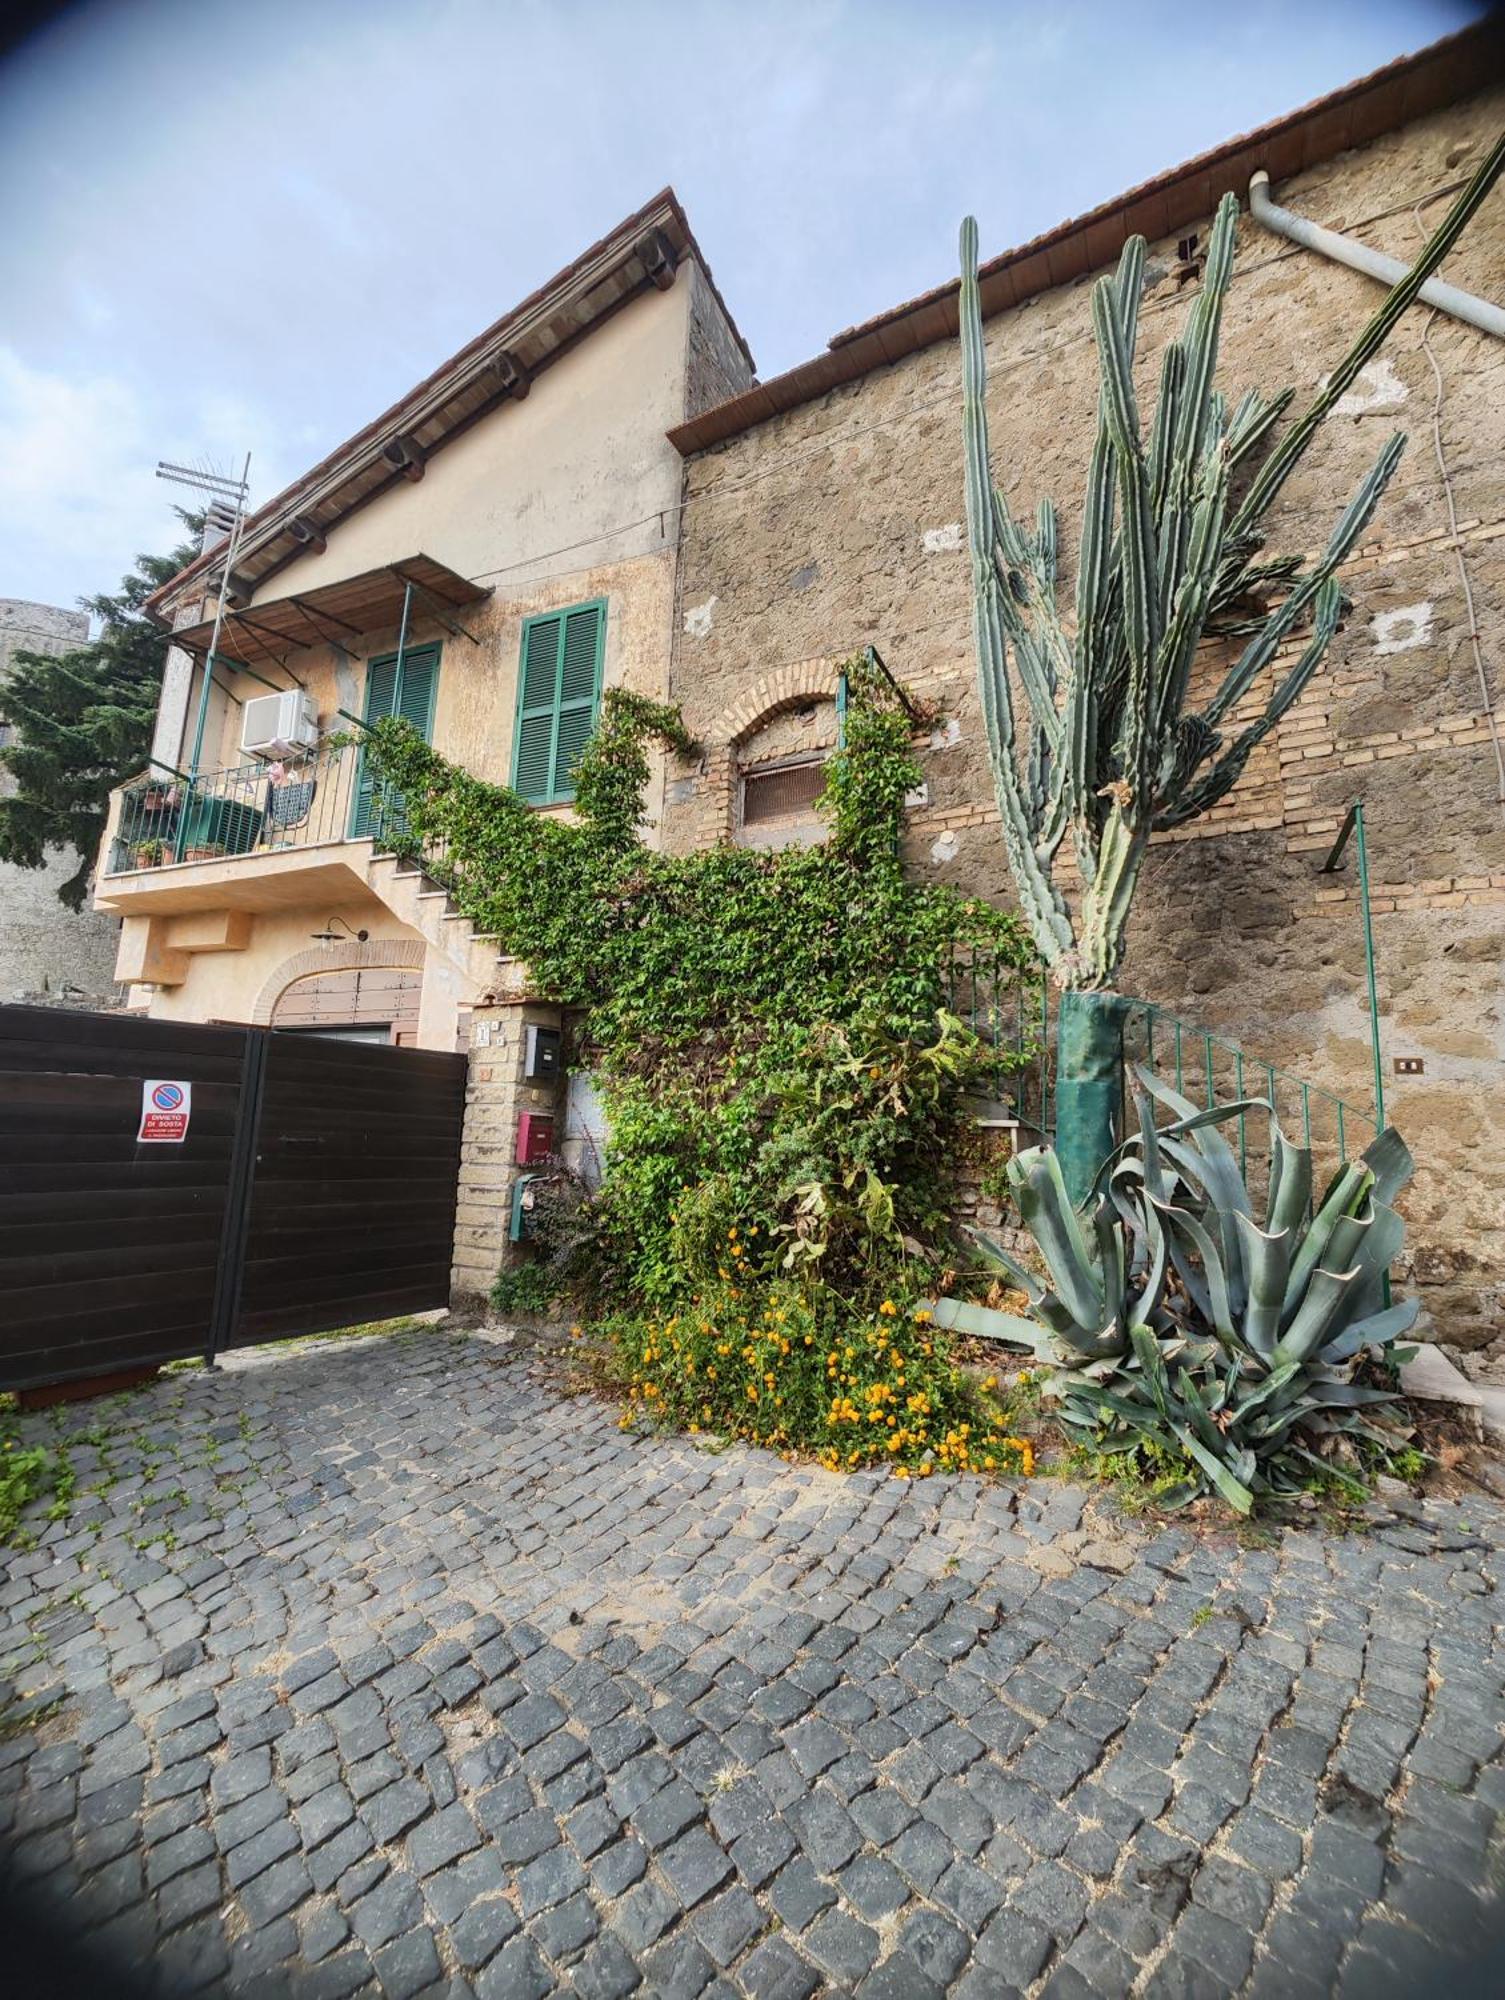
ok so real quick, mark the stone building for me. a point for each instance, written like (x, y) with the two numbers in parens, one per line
(604, 454)
(47, 951)
(824, 511)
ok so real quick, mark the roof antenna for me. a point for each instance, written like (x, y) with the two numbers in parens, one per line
(222, 490)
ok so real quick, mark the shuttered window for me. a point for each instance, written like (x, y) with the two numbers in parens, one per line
(408, 693)
(559, 687)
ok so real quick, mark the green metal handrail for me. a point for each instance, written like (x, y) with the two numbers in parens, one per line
(1189, 1057)
(1013, 1016)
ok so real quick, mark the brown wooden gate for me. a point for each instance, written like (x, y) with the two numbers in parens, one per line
(315, 1188)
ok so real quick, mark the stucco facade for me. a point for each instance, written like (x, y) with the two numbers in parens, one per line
(563, 496)
(47, 951)
(838, 524)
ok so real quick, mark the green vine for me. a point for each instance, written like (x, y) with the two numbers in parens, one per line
(769, 1035)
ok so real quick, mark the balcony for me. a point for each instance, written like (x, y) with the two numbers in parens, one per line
(257, 836)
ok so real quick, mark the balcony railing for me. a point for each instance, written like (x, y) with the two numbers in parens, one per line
(255, 808)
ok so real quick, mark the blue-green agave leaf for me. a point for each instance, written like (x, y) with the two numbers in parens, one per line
(1267, 1261)
(1046, 1211)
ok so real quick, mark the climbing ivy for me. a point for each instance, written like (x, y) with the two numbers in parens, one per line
(767, 1030)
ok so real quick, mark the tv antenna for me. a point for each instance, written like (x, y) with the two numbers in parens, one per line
(230, 519)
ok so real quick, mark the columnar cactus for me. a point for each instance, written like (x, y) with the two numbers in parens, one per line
(1112, 751)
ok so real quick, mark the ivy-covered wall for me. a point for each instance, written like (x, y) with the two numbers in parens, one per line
(782, 1079)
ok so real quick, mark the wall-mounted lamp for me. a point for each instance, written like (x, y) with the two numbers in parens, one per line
(329, 935)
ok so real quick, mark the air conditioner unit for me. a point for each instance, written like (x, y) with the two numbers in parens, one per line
(276, 725)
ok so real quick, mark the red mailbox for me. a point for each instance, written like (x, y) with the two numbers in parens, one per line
(535, 1138)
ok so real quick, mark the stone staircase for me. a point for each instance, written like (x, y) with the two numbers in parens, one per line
(425, 906)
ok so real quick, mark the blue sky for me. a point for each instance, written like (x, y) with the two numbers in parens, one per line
(252, 228)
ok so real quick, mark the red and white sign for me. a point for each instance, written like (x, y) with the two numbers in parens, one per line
(165, 1109)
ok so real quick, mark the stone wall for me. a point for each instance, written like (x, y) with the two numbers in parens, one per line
(497, 1093)
(839, 523)
(716, 366)
(47, 951)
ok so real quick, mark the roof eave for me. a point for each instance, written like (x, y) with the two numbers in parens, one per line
(450, 399)
(1446, 71)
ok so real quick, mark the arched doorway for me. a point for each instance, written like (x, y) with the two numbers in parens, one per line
(357, 1003)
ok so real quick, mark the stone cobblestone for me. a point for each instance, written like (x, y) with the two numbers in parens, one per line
(390, 1669)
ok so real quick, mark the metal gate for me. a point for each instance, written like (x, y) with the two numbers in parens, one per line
(314, 1188)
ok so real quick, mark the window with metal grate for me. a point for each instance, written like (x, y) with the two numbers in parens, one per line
(782, 790)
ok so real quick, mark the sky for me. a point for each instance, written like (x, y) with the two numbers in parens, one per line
(251, 228)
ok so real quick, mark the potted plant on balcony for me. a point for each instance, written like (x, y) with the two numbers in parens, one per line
(209, 850)
(149, 854)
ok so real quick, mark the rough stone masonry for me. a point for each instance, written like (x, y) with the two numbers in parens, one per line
(837, 524)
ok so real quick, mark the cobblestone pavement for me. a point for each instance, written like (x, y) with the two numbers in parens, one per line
(442, 1684)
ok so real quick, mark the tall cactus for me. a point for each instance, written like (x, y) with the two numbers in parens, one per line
(1112, 749)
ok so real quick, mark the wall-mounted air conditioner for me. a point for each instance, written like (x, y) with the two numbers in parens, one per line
(276, 725)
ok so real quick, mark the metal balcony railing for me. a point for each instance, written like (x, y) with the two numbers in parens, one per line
(254, 808)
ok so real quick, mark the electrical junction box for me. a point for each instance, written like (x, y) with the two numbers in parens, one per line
(535, 1138)
(541, 1054)
(524, 1187)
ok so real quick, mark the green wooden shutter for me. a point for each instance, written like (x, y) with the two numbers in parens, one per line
(533, 750)
(410, 695)
(381, 688)
(579, 682)
(415, 693)
(559, 687)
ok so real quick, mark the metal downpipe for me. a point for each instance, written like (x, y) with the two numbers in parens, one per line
(1372, 263)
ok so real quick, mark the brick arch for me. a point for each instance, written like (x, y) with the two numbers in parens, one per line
(322, 958)
(788, 686)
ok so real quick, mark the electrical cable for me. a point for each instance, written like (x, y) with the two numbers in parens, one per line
(1486, 693)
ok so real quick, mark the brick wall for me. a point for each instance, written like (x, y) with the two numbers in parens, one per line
(838, 523)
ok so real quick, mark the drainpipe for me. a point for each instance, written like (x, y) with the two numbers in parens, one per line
(1373, 263)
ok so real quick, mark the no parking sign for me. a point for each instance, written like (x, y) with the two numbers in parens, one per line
(165, 1108)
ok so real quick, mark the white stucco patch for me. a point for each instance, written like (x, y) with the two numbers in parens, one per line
(1400, 630)
(1376, 387)
(938, 541)
(344, 680)
(946, 846)
(947, 736)
(700, 618)
(920, 796)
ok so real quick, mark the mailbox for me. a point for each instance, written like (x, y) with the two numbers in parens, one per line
(522, 1207)
(535, 1138)
(541, 1054)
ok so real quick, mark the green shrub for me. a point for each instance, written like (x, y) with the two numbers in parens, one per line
(529, 1289)
(779, 1363)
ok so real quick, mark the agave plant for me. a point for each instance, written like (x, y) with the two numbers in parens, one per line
(1180, 1317)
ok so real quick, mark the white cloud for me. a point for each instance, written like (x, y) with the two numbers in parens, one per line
(79, 496)
(76, 481)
